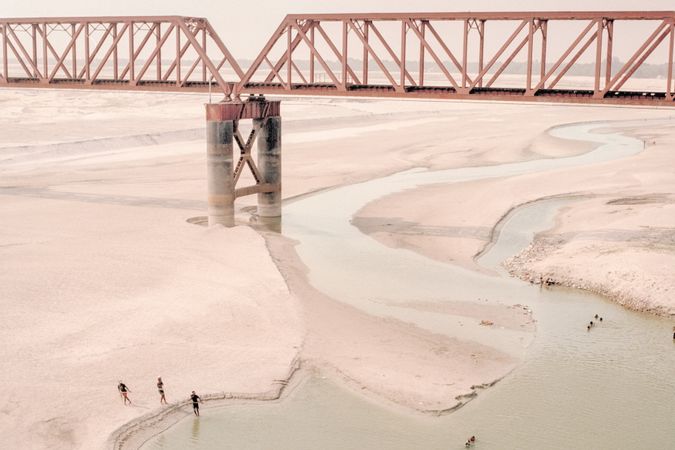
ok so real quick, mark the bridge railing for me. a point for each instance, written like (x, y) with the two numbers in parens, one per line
(145, 53)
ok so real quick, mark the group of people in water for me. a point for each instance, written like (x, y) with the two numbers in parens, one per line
(592, 324)
(548, 281)
(124, 393)
(470, 441)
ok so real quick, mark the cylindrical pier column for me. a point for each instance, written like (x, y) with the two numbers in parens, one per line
(219, 154)
(269, 164)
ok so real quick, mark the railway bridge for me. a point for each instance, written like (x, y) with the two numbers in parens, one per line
(495, 56)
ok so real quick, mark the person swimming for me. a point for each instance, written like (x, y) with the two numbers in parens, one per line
(596, 316)
(591, 323)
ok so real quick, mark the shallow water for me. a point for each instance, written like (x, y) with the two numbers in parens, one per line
(612, 387)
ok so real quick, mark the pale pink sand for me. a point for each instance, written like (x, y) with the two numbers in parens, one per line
(619, 244)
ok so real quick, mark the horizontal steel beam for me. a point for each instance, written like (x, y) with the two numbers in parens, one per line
(551, 15)
(94, 19)
(497, 94)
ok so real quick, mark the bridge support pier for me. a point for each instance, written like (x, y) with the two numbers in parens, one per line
(269, 164)
(222, 131)
(219, 161)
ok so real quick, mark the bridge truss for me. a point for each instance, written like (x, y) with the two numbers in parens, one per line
(128, 53)
(489, 56)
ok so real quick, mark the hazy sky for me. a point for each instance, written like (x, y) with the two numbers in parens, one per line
(245, 25)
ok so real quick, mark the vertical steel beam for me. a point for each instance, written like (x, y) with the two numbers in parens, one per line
(289, 61)
(45, 58)
(598, 57)
(33, 29)
(132, 56)
(5, 62)
(530, 48)
(403, 52)
(179, 52)
(159, 51)
(543, 27)
(465, 53)
(206, 53)
(114, 36)
(311, 56)
(345, 43)
(669, 78)
(366, 56)
(87, 62)
(423, 28)
(481, 49)
(608, 53)
(74, 49)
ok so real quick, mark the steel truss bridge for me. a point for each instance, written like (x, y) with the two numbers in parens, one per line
(413, 55)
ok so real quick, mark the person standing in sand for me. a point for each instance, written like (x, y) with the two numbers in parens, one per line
(196, 400)
(160, 389)
(124, 392)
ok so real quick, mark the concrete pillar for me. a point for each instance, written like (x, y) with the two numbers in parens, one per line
(219, 172)
(269, 164)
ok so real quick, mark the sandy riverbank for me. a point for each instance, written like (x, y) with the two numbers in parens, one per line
(618, 241)
(102, 278)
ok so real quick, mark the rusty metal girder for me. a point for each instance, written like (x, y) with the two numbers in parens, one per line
(154, 53)
(347, 55)
(387, 57)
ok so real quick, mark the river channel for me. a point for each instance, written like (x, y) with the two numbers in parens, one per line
(612, 388)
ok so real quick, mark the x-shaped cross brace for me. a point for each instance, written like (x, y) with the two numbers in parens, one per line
(245, 157)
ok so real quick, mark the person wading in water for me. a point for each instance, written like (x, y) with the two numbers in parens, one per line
(196, 400)
(160, 388)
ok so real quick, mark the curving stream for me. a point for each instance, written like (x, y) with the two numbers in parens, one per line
(611, 388)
